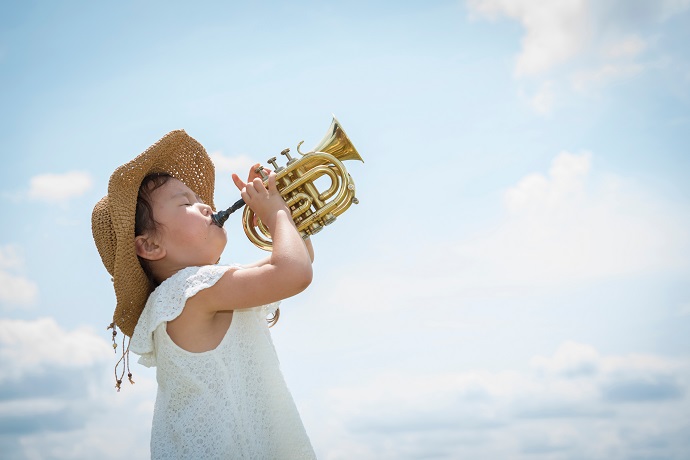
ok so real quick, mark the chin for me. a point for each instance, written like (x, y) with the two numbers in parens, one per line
(220, 253)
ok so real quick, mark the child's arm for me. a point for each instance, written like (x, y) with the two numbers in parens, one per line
(267, 260)
(286, 272)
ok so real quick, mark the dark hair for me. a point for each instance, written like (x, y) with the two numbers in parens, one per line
(144, 221)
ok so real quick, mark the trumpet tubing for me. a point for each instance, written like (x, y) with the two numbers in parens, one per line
(311, 209)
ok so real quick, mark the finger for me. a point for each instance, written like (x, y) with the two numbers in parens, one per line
(272, 183)
(258, 184)
(238, 182)
(251, 189)
(252, 172)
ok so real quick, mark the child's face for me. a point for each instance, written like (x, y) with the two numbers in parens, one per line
(186, 230)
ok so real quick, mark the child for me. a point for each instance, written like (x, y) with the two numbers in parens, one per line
(220, 390)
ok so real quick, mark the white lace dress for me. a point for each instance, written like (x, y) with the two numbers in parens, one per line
(228, 403)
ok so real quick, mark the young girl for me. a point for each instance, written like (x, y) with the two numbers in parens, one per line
(220, 390)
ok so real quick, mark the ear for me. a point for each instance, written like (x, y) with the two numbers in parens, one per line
(147, 248)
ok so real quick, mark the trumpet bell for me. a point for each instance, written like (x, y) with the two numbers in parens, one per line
(336, 143)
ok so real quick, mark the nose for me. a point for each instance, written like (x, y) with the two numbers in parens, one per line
(206, 209)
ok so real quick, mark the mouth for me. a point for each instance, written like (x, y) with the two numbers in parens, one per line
(220, 217)
(217, 218)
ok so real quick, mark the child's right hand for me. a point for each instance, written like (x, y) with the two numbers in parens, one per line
(266, 203)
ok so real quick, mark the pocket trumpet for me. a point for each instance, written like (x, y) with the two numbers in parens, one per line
(311, 209)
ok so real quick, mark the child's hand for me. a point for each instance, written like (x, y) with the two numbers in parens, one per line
(266, 203)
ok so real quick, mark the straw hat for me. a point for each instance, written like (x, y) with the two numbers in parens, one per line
(112, 221)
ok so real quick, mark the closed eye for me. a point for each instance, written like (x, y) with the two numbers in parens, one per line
(187, 198)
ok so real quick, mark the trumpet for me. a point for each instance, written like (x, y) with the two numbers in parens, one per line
(311, 209)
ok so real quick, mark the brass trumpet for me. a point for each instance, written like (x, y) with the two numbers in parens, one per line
(311, 210)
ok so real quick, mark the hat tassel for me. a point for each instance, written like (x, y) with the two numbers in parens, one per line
(124, 359)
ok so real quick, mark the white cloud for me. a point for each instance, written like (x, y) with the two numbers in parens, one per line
(59, 187)
(582, 80)
(554, 31)
(31, 346)
(627, 47)
(238, 164)
(559, 31)
(11, 257)
(581, 42)
(471, 414)
(566, 183)
(543, 101)
(571, 359)
(14, 288)
(17, 290)
(572, 225)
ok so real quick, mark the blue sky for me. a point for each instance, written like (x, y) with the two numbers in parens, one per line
(513, 284)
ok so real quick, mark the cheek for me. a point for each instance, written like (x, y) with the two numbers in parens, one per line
(186, 235)
(194, 236)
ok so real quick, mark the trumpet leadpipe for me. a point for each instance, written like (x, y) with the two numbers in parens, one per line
(220, 217)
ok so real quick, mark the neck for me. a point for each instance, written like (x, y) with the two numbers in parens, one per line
(163, 269)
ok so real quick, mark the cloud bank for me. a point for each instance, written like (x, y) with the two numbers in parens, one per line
(575, 403)
(57, 399)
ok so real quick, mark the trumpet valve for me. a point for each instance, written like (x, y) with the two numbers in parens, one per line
(260, 170)
(286, 152)
(315, 228)
(273, 162)
(328, 219)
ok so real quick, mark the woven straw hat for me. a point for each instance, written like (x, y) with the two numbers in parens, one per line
(112, 221)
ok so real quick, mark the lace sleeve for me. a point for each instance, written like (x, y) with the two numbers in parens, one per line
(167, 302)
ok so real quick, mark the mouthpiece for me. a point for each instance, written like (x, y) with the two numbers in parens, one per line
(220, 217)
